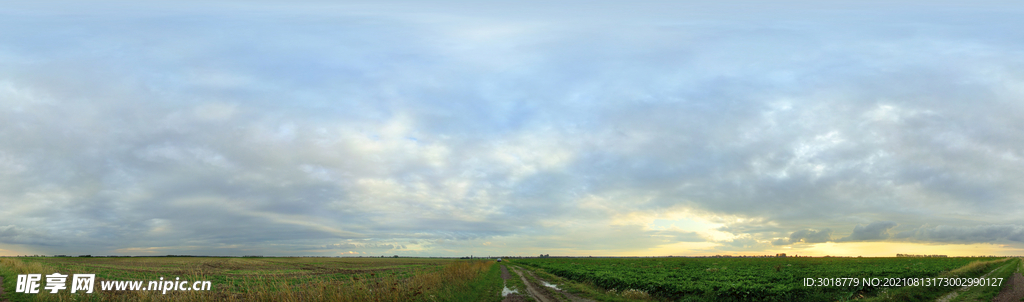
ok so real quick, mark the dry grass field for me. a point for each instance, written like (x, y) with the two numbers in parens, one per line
(269, 279)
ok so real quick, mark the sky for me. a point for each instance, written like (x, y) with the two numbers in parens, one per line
(456, 128)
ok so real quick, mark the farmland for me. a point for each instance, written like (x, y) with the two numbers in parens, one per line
(270, 279)
(763, 279)
(541, 279)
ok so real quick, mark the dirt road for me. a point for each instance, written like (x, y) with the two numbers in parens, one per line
(511, 297)
(504, 273)
(1013, 292)
(540, 294)
(536, 292)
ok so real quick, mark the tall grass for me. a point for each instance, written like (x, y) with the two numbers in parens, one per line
(430, 285)
(972, 269)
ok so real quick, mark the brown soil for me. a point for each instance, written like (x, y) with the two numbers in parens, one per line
(514, 298)
(504, 273)
(1012, 292)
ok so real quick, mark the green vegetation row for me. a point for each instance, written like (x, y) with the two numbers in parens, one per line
(974, 269)
(987, 293)
(749, 279)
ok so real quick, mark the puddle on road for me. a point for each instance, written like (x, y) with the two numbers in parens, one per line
(506, 292)
(549, 284)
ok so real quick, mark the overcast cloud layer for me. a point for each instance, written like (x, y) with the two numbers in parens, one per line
(451, 128)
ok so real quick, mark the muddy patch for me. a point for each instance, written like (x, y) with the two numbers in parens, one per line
(514, 298)
(506, 292)
(573, 298)
(504, 273)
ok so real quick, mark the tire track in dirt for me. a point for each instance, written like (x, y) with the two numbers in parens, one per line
(571, 297)
(537, 293)
(1013, 292)
(511, 297)
(504, 274)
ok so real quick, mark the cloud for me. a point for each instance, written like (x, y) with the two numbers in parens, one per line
(874, 231)
(964, 234)
(11, 234)
(363, 246)
(806, 236)
(208, 128)
(742, 244)
(682, 236)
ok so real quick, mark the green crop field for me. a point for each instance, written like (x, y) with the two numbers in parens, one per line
(764, 279)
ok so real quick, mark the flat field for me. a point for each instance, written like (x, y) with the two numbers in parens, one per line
(528, 279)
(768, 279)
(265, 279)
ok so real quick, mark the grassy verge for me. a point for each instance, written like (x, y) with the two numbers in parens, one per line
(486, 287)
(986, 293)
(930, 293)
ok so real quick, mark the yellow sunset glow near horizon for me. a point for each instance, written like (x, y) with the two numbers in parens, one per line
(883, 249)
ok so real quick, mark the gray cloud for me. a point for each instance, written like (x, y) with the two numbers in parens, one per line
(874, 231)
(806, 236)
(742, 244)
(362, 246)
(964, 234)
